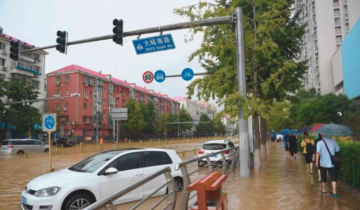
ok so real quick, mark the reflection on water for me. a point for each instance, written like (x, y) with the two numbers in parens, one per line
(282, 184)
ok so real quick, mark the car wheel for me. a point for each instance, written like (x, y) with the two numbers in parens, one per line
(20, 152)
(78, 201)
(179, 184)
(46, 150)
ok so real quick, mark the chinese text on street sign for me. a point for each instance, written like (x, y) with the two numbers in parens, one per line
(148, 76)
(49, 122)
(160, 76)
(154, 44)
(187, 74)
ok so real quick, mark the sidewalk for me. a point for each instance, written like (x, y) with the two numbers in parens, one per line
(284, 184)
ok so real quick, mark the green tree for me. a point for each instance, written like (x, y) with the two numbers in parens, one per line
(184, 116)
(220, 128)
(149, 114)
(352, 118)
(272, 43)
(22, 116)
(205, 127)
(135, 123)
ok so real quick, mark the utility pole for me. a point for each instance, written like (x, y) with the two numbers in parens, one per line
(97, 126)
(243, 124)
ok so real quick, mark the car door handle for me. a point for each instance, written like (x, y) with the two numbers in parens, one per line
(140, 174)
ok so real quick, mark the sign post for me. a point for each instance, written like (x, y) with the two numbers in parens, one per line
(118, 114)
(49, 126)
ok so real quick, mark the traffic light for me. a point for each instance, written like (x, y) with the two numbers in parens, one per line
(62, 41)
(14, 50)
(118, 31)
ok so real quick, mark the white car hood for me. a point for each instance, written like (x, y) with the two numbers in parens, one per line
(57, 178)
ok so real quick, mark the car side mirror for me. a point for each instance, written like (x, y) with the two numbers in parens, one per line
(110, 171)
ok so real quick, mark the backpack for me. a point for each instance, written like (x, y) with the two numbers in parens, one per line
(309, 148)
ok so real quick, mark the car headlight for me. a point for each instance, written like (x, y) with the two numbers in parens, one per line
(47, 192)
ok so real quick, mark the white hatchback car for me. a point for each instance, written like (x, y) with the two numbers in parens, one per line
(20, 146)
(215, 146)
(99, 176)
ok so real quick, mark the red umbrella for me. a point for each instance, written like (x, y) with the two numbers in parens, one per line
(313, 129)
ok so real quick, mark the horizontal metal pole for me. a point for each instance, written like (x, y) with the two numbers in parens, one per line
(102, 203)
(172, 27)
(173, 123)
(179, 75)
(40, 99)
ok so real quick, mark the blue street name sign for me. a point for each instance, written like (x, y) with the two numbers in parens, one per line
(154, 44)
(159, 76)
(187, 74)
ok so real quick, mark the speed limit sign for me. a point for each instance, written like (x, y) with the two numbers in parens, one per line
(148, 76)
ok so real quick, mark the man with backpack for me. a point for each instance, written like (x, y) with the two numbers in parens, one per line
(325, 151)
(308, 149)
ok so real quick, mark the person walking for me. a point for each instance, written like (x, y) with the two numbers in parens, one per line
(308, 149)
(101, 141)
(286, 142)
(293, 146)
(326, 148)
(320, 137)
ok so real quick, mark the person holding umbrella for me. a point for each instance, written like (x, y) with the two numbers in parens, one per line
(292, 146)
(308, 149)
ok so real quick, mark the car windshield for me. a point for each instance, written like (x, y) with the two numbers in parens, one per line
(92, 163)
(214, 146)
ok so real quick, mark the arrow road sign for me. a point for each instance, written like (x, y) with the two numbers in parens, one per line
(154, 44)
(148, 77)
(187, 74)
(49, 122)
(160, 76)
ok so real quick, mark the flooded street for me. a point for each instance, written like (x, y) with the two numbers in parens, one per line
(282, 184)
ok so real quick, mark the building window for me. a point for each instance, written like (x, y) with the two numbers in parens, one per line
(66, 105)
(2, 62)
(58, 80)
(57, 106)
(36, 84)
(2, 46)
(66, 78)
(85, 106)
(2, 76)
(338, 30)
(336, 12)
(104, 102)
(336, 3)
(58, 92)
(90, 93)
(337, 21)
(85, 93)
(338, 39)
(67, 92)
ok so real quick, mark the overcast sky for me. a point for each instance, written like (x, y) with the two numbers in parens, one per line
(37, 21)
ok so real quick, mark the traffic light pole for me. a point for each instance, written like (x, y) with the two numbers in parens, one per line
(235, 18)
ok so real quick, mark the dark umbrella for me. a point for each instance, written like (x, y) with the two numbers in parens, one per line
(305, 129)
(284, 131)
(334, 130)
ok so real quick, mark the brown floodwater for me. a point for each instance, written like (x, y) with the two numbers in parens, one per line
(281, 184)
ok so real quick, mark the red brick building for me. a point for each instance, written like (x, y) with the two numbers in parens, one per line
(99, 93)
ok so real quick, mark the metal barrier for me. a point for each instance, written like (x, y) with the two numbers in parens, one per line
(185, 197)
(171, 193)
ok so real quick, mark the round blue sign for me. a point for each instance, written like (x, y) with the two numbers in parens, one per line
(187, 74)
(49, 122)
(159, 76)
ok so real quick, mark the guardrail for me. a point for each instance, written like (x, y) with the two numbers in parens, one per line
(185, 197)
(171, 195)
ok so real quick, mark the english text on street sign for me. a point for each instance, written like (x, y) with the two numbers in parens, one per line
(119, 114)
(187, 74)
(148, 77)
(49, 122)
(160, 76)
(154, 44)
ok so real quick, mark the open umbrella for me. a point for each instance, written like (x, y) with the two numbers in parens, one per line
(334, 130)
(284, 131)
(313, 129)
(304, 129)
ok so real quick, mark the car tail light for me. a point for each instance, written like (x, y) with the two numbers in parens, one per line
(201, 152)
(226, 152)
(10, 146)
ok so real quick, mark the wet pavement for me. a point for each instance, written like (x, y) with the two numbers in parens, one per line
(282, 184)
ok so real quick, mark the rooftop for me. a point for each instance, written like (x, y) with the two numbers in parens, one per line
(98, 74)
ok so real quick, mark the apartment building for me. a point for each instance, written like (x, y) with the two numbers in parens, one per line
(31, 65)
(328, 23)
(99, 94)
(195, 108)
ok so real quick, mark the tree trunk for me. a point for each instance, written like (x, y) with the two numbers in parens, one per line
(257, 156)
(263, 138)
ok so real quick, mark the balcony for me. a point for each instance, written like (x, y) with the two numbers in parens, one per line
(29, 68)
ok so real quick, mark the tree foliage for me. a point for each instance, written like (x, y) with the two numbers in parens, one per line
(220, 128)
(205, 127)
(135, 123)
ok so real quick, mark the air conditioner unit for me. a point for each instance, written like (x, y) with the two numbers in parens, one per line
(86, 84)
(86, 97)
(57, 83)
(65, 108)
(4, 52)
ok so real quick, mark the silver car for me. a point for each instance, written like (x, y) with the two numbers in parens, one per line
(20, 146)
